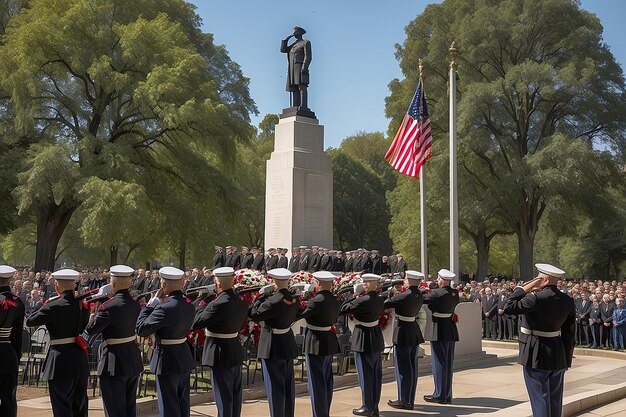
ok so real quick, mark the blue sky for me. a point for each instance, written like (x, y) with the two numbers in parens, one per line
(353, 52)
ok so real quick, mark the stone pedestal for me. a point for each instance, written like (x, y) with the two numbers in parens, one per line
(469, 326)
(299, 186)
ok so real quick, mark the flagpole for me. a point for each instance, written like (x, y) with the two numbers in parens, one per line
(454, 220)
(423, 238)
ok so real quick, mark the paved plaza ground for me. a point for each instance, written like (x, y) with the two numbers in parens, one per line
(494, 388)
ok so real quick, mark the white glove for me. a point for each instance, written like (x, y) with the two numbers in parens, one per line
(267, 290)
(359, 288)
(154, 301)
(308, 287)
(106, 290)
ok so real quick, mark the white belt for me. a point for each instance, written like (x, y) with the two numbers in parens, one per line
(442, 315)
(280, 331)
(221, 335)
(168, 342)
(65, 341)
(5, 341)
(318, 328)
(540, 333)
(366, 323)
(405, 318)
(119, 341)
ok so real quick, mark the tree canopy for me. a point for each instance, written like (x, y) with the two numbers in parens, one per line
(541, 100)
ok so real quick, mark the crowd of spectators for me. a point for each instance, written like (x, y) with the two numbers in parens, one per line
(600, 311)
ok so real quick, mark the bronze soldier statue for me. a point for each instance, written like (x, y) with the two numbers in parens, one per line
(299, 58)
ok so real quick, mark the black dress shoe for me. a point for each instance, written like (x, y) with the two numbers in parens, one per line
(399, 405)
(431, 399)
(364, 412)
(448, 400)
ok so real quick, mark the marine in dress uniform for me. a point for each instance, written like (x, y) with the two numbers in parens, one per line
(367, 344)
(258, 263)
(546, 340)
(320, 343)
(66, 366)
(169, 320)
(304, 258)
(119, 363)
(219, 258)
(294, 262)
(282, 259)
(246, 258)
(11, 323)
(223, 318)
(406, 339)
(277, 345)
(442, 302)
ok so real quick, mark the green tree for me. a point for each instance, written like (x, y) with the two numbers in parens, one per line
(117, 90)
(360, 210)
(115, 214)
(535, 83)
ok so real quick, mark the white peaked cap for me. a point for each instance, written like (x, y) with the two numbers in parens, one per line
(66, 274)
(224, 271)
(445, 274)
(121, 271)
(279, 273)
(551, 270)
(414, 274)
(323, 276)
(171, 273)
(370, 277)
(105, 290)
(6, 271)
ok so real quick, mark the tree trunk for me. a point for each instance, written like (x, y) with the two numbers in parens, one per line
(113, 250)
(526, 244)
(52, 219)
(483, 244)
(182, 254)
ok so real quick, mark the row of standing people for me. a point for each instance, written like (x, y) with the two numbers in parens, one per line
(311, 259)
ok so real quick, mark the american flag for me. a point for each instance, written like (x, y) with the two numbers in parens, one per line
(410, 148)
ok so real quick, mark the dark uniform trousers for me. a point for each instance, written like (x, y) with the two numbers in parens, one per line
(367, 345)
(406, 339)
(442, 359)
(227, 387)
(277, 349)
(172, 362)
(65, 366)
(405, 358)
(545, 390)
(280, 386)
(369, 369)
(119, 395)
(443, 300)
(119, 363)
(319, 348)
(320, 386)
(11, 323)
(225, 314)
